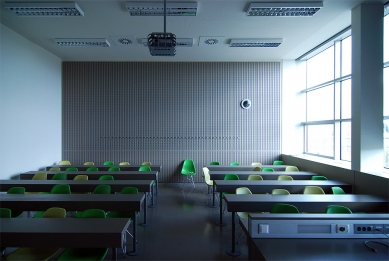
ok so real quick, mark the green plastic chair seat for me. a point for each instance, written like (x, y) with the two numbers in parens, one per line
(267, 169)
(16, 190)
(278, 162)
(338, 190)
(106, 177)
(5, 213)
(71, 169)
(215, 163)
(335, 209)
(234, 163)
(57, 189)
(284, 208)
(231, 177)
(114, 169)
(92, 169)
(60, 176)
(318, 178)
(108, 163)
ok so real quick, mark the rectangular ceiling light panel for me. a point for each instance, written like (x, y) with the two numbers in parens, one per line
(45, 9)
(180, 42)
(88, 42)
(142, 8)
(255, 42)
(286, 9)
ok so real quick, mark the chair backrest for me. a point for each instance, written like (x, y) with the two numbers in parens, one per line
(106, 177)
(338, 190)
(280, 192)
(243, 190)
(60, 189)
(108, 163)
(40, 176)
(285, 177)
(318, 178)
(72, 169)
(60, 176)
(102, 189)
(291, 168)
(257, 169)
(5, 213)
(188, 167)
(81, 177)
(93, 213)
(313, 190)
(267, 169)
(16, 190)
(258, 164)
(124, 163)
(215, 163)
(55, 169)
(92, 169)
(234, 163)
(231, 177)
(278, 162)
(144, 168)
(89, 163)
(114, 169)
(335, 209)
(284, 208)
(146, 163)
(254, 177)
(129, 190)
(54, 212)
(64, 162)
(207, 177)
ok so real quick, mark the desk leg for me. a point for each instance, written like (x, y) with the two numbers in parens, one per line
(231, 250)
(145, 223)
(221, 223)
(134, 251)
(114, 254)
(152, 197)
(213, 196)
(156, 186)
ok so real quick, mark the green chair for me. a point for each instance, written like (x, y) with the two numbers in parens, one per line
(85, 253)
(60, 176)
(106, 163)
(319, 178)
(215, 163)
(313, 190)
(254, 177)
(4, 213)
(291, 168)
(278, 162)
(114, 169)
(100, 189)
(267, 169)
(234, 163)
(231, 177)
(284, 177)
(335, 209)
(92, 169)
(71, 169)
(188, 170)
(89, 163)
(56, 189)
(106, 177)
(64, 162)
(124, 163)
(16, 190)
(280, 192)
(338, 190)
(38, 253)
(284, 208)
(144, 168)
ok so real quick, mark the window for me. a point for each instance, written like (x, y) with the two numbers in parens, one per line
(386, 90)
(328, 101)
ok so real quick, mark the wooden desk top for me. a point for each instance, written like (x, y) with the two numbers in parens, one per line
(266, 186)
(106, 167)
(297, 175)
(63, 232)
(72, 202)
(76, 185)
(94, 175)
(306, 202)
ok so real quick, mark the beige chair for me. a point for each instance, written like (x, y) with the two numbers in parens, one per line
(89, 163)
(55, 169)
(81, 177)
(124, 163)
(284, 177)
(313, 190)
(280, 192)
(146, 163)
(64, 162)
(243, 190)
(291, 168)
(258, 164)
(38, 176)
(257, 169)
(209, 183)
(254, 177)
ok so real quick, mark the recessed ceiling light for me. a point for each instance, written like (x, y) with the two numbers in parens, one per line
(124, 40)
(285, 9)
(44, 9)
(255, 42)
(82, 42)
(143, 8)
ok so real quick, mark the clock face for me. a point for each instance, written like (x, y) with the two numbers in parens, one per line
(245, 104)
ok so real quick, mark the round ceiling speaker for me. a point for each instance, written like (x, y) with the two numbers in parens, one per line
(245, 104)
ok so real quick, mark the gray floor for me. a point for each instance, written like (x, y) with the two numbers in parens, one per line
(183, 228)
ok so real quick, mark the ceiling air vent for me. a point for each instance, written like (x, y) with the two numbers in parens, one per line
(45, 9)
(87, 42)
(255, 42)
(285, 9)
(124, 40)
(142, 8)
(211, 40)
(180, 42)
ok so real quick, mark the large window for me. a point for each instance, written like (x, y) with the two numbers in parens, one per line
(386, 90)
(328, 101)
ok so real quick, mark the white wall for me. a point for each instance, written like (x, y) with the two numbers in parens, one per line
(30, 105)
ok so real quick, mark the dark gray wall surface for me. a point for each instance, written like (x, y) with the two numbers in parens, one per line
(167, 112)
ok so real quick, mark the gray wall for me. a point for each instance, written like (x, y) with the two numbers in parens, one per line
(167, 112)
(30, 105)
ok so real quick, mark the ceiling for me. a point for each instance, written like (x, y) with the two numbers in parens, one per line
(225, 19)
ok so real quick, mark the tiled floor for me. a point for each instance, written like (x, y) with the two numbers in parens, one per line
(183, 228)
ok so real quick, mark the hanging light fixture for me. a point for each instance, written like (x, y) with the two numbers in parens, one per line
(162, 44)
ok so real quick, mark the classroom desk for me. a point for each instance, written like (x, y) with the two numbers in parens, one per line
(245, 168)
(94, 175)
(81, 186)
(64, 232)
(77, 202)
(106, 167)
(305, 203)
(266, 186)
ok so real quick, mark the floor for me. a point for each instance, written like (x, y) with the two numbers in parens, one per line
(183, 227)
